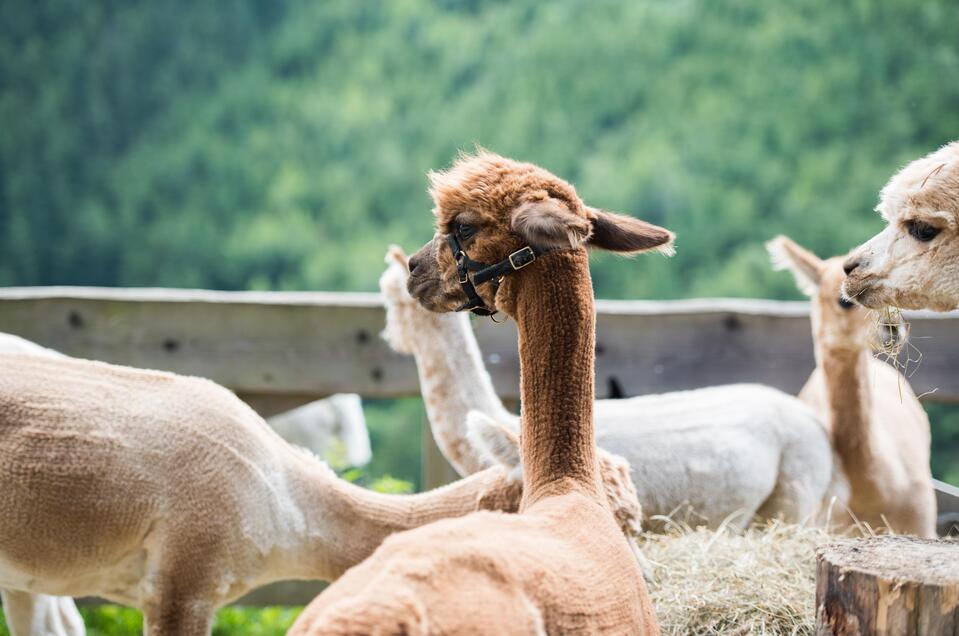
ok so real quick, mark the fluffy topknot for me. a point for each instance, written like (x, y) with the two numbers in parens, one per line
(494, 186)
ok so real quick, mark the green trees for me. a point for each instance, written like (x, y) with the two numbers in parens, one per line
(282, 144)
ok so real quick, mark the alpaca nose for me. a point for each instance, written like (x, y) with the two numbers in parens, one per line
(421, 258)
(850, 265)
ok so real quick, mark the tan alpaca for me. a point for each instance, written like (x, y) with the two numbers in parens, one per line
(40, 614)
(729, 453)
(169, 494)
(914, 262)
(878, 428)
(561, 566)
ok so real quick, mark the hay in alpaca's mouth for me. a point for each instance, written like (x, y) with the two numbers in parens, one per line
(899, 351)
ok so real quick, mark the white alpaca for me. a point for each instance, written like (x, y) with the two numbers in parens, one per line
(914, 262)
(731, 452)
(878, 428)
(169, 494)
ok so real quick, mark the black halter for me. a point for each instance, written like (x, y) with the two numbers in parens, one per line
(484, 273)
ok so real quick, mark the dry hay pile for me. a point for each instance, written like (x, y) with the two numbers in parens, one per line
(757, 581)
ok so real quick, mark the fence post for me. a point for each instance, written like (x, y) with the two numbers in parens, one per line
(887, 586)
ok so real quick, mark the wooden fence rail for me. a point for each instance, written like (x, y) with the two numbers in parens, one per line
(278, 348)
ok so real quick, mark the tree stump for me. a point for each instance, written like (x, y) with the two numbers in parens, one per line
(895, 586)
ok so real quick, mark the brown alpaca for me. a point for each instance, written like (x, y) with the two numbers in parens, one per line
(914, 262)
(561, 566)
(879, 430)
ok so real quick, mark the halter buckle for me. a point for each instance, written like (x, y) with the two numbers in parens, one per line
(522, 257)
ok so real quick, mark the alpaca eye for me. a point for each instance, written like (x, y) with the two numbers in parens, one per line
(922, 231)
(465, 230)
(846, 304)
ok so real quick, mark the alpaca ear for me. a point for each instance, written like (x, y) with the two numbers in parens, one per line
(549, 223)
(628, 235)
(805, 266)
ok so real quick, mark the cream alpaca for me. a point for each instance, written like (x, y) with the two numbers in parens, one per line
(878, 428)
(169, 494)
(730, 453)
(560, 566)
(43, 615)
(914, 262)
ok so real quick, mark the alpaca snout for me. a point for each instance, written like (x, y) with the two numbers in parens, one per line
(420, 261)
(427, 291)
(864, 289)
(425, 283)
(851, 264)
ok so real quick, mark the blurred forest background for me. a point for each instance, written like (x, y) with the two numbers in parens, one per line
(282, 144)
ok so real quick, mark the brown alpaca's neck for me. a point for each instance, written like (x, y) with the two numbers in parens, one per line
(553, 309)
(849, 400)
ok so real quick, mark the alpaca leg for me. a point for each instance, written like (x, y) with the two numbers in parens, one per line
(41, 615)
(70, 616)
(176, 613)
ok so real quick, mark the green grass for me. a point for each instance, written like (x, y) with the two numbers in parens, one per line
(115, 620)
(254, 621)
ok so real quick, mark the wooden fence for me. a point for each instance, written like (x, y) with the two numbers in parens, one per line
(278, 350)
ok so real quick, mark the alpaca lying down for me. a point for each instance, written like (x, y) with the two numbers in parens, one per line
(878, 426)
(739, 465)
(561, 565)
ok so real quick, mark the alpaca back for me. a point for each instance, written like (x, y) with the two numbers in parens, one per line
(98, 460)
(723, 452)
(730, 450)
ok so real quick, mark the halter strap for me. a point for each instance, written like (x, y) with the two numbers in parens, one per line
(484, 273)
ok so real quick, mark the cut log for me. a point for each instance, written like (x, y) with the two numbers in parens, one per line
(895, 586)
